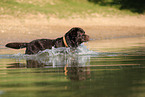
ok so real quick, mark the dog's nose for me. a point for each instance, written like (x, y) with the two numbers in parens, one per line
(87, 37)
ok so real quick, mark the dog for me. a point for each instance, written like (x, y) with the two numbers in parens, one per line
(73, 38)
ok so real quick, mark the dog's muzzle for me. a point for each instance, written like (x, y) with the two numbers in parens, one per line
(86, 38)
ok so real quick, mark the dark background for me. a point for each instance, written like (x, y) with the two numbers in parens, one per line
(132, 5)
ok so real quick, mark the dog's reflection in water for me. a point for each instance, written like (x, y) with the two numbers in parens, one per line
(77, 73)
(74, 67)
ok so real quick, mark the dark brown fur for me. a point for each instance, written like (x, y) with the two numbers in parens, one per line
(74, 37)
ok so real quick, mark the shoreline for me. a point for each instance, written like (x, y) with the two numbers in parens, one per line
(37, 27)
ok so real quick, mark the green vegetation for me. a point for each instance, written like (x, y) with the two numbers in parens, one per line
(132, 5)
(58, 8)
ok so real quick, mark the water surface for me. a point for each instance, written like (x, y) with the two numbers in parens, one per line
(73, 73)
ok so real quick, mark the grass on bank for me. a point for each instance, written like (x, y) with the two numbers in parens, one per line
(58, 8)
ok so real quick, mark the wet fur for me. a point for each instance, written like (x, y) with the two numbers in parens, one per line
(74, 37)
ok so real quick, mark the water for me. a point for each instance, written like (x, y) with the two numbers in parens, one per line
(65, 72)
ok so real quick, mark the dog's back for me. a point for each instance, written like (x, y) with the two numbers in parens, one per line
(73, 38)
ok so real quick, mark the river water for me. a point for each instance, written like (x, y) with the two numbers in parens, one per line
(84, 72)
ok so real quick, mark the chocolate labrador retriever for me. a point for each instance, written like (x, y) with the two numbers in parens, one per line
(73, 38)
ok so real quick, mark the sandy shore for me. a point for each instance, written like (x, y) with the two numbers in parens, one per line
(99, 28)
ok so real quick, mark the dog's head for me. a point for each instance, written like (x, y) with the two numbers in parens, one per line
(76, 36)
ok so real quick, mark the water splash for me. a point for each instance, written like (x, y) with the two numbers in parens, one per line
(81, 50)
(57, 57)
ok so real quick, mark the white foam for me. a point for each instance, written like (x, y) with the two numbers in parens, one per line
(81, 50)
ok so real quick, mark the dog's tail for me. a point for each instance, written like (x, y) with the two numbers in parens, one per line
(16, 45)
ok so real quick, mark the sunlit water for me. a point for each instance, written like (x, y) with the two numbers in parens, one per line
(65, 72)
